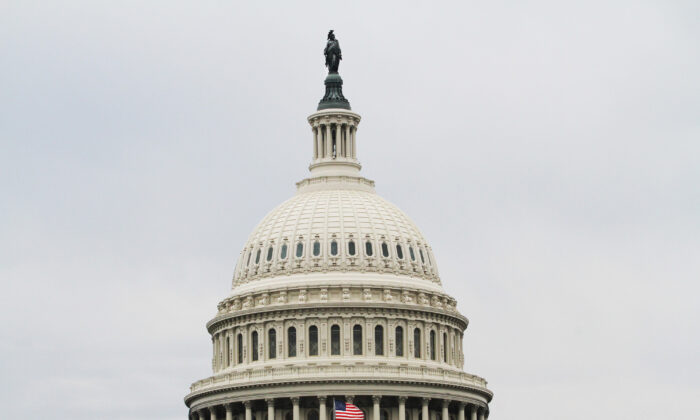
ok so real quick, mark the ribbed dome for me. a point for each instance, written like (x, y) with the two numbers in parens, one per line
(341, 226)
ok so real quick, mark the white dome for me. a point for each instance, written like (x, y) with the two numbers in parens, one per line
(317, 229)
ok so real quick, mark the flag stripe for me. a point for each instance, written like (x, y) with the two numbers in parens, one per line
(347, 411)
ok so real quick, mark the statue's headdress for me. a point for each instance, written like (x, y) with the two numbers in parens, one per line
(330, 34)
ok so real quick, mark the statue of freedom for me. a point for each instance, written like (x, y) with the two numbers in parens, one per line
(332, 53)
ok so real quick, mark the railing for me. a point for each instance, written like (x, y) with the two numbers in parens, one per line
(277, 373)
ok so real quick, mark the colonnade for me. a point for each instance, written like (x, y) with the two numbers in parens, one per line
(332, 140)
(289, 408)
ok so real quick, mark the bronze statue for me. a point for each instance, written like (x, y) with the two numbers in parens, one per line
(332, 53)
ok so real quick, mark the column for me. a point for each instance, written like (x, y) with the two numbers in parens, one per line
(354, 144)
(461, 411)
(348, 152)
(337, 139)
(248, 412)
(375, 408)
(315, 131)
(402, 408)
(229, 411)
(445, 410)
(426, 414)
(482, 413)
(341, 143)
(212, 413)
(321, 408)
(473, 412)
(295, 408)
(270, 408)
(202, 414)
(328, 140)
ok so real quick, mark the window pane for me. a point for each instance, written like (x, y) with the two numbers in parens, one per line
(254, 346)
(257, 257)
(422, 260)
(444, 347)
(313, 340)
(385, 250)
(357, 340)
(228, 351)
(399, 252)
(239, 344)
(250, 254)
(351, 247)
(272, 343)
(368, 248)
(432, 345)
(269, 254)
(317, 249)
(399, 341)
(335, 340)
(334, 248)
(416, 343)
(379, 340)
(300, 250)
(410, 251)
(292, 342)
(283, 252)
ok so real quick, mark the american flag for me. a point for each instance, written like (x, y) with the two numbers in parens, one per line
(347, 411)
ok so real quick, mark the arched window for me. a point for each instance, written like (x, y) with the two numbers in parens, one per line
(422, 260)
(335, 340)
(312, 415)
(257, 257)
(444, 347)
(384, 415)
(379, 340)
(334, 247)
(272, 343)
(228, 351)
(313, 340)
(239, 347)
(317, 248)
(368, 248)
(416, 343)
(250, 254)
(300, 250)
(385, 250)
(269, 253)
(254, 346)
(283, 252)
(432, 344)
(411, 253)
(399, 251)
(292, 342)
(399, 341)
(357, 340)
(351, 248)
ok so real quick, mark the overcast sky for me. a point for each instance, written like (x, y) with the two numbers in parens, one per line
(550, 153)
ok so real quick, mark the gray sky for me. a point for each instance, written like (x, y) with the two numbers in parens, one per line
(548, 151)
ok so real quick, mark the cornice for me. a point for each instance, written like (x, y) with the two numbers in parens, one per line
(322, 310)
(191, 398)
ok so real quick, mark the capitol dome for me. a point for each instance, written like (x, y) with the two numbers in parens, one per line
(338, 227)
(336, 296)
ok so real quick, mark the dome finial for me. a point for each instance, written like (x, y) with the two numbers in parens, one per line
(334, 83)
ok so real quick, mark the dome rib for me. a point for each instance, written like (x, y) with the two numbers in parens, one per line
(328, 212)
